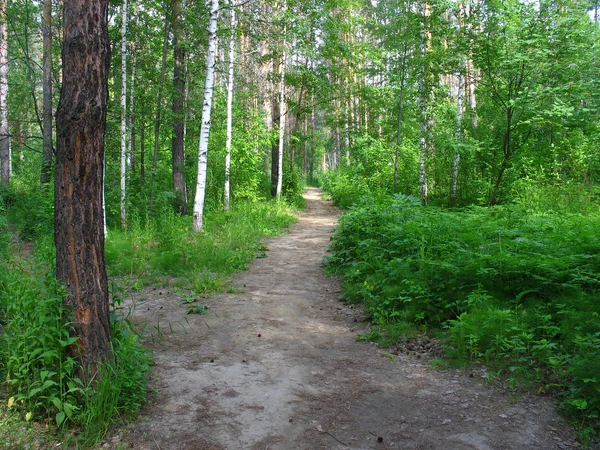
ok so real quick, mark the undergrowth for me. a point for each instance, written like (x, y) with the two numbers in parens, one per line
(516, 289)
(202, 262)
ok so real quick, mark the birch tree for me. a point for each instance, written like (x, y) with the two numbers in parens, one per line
(5, 153)
(123, 173)
(198, 215)
(230, 86)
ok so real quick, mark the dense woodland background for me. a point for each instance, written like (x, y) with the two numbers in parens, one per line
(463, 135)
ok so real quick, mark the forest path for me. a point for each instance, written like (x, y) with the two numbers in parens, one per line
(277, 366)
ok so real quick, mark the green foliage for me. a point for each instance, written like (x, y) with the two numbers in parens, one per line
(167, 247)
(41, 379)
(517, 289)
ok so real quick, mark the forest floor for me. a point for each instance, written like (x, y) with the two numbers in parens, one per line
(276, 365)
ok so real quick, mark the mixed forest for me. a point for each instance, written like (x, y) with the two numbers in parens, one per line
(156, 143)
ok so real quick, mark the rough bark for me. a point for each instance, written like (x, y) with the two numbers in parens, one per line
(177, 147)
(198, 216)
(78, 215)
(5, 156)
(47, 153)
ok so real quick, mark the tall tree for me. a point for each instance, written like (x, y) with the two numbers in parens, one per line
(5, 153)
(177, 142)
(123, 177)
(47, 92)
(78, 217)
(159, 101)
(198, 216)
(226, 193)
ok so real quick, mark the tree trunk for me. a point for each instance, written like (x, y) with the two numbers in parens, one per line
(157, 117)
(226, 189)
(78, 217)
(275, 123)
(459, 137)
(423, 113)
(177, 147)
(198, 216)
(5, 156)
(47, 153)
(123, 173)
(282, 115)
(143, 151)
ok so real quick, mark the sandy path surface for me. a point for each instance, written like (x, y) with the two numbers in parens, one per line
(277, 366)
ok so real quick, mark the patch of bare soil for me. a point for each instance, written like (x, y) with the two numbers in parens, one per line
(277, 366)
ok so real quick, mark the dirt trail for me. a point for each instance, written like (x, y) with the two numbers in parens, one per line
(277, 366)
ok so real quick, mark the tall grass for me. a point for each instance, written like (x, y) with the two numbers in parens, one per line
(167, 248)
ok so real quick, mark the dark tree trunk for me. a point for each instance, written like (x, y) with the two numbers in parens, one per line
(275, 124)
(78, 216)
(177, 144)
(159, 101)
(47, 87)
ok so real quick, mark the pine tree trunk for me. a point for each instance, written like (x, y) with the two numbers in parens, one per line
(226, 193)
(47, 93)
(5, 156)
(198, 222)
(123, 172)
(78, 216)
(178, 159)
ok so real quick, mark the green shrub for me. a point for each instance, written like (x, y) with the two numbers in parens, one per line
(517, 289)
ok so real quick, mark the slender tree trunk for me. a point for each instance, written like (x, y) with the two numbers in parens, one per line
(275, 123)
(230, 86)
(399, 131)
(78, 217)
(159, 100)
(177, 142)
(459, 136)
(131, 118)
(305, 157)
(123, 173)
(198, 216)
(143, 151)
(282, 114)
(311, 167)
(5, 156)
(47, 93)
(423, 113)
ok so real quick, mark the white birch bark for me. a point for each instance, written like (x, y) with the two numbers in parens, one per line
(131, 118)
(5, 151)
(198, 215)
(226, 193)
(282, 115)
(123, 114)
